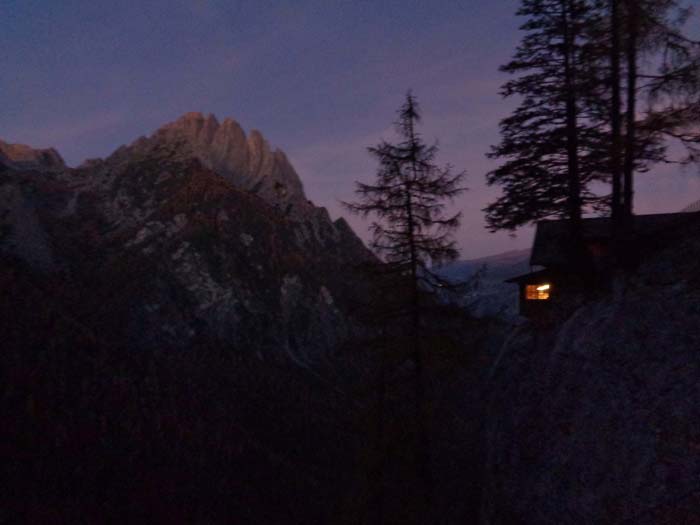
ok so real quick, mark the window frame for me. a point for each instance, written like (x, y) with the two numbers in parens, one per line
(538, 292)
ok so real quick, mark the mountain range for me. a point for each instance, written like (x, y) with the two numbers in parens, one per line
(488, 294)
(180, 332)
(196, 233)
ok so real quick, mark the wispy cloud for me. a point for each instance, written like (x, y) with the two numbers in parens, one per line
(67, 130)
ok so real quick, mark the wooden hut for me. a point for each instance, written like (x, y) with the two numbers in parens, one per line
(557, 282)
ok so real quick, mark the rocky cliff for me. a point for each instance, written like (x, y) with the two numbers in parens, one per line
(194, 233)
(597, 420)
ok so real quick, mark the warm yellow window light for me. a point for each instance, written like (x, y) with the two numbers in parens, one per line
(538, 292)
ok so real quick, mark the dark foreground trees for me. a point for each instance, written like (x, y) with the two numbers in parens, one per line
(412, 232)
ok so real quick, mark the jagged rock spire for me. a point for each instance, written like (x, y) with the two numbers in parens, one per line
(247, 161)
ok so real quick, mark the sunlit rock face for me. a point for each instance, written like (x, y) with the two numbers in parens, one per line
(247, 162)
(196, 233)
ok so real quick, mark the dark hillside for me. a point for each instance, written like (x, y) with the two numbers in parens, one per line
(180, 346)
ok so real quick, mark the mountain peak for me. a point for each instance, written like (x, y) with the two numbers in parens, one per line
(21, 156)
(248, 162)
(194, 122)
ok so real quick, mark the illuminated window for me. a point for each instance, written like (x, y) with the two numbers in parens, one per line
(537, 292)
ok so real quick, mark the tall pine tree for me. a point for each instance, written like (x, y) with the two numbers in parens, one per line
(412, 232)
(604, 85)
(552, 144)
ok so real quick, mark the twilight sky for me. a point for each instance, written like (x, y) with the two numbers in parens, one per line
(321, 79)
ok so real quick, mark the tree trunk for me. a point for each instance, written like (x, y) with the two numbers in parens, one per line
(572, 147)
(630, 138)
(423, 442)
(381, 448)
(615, 117)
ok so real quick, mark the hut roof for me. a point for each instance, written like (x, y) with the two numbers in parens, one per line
(549, 247)
(534, 275)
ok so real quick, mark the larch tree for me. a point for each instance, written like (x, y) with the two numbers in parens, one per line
(662, 70)
(648, 78)
(412, 232)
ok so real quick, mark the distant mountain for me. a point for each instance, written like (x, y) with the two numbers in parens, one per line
(195, 233)
(491, 296)
(506, 264)
(692, 207)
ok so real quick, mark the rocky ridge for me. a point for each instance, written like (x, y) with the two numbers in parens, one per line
(194, 233)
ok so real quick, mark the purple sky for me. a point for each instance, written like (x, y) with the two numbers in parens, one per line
(321, 79)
